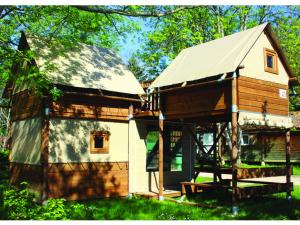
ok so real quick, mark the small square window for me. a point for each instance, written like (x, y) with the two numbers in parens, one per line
(99, 142)
(271, 61)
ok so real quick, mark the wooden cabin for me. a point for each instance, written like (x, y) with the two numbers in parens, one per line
(235, 82)
(80, 145)
(102, 138)
(77, 146)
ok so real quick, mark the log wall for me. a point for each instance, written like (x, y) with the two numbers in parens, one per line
(262, 96)
(198, 101)
(79, 181)
(25, 105)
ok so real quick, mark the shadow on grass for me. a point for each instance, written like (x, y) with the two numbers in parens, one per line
(273, 207)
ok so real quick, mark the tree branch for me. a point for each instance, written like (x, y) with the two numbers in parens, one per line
(132, 14)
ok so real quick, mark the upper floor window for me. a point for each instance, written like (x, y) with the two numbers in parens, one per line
(271, 61)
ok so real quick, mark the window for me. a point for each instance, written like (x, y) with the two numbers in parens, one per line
(271, 61)
(245, 140)
(99, 142)
(208, 139)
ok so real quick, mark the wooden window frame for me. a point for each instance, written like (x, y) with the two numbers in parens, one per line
(105, 135)
(272, 53)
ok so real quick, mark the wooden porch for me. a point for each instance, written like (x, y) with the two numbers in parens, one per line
(216, 103)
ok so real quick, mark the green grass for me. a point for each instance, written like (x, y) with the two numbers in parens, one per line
(296, 170)
(274, 207)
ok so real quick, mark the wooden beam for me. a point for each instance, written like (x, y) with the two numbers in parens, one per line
(234, 141)
(194, 85)
(45, 149)
(103, 96)
(161, 154)
(220, 145)
(217, 138)
(201, 147)
(288, 161)
(215, 150)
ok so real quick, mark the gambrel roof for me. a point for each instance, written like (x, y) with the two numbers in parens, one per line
(83, 66)
(223, 55)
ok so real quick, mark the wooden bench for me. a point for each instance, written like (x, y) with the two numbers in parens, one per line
(191, 187)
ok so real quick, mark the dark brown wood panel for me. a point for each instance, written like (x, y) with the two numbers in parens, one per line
(262, 96)
(79, 181)
(252, 191)
(64, 110)
(202, 101)
(262, 82)
(19, 172)
(247, 173)
(25, 105)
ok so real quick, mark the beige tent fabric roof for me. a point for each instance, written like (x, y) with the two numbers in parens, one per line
(84, 66)
(209, 59)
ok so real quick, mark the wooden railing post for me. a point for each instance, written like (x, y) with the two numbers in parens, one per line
(234, 141)
(288, 162)
(161, 155)
(215, 152)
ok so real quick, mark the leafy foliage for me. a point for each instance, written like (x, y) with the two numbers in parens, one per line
(195, 26)
(18, 203)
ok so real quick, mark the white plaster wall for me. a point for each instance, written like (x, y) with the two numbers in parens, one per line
(69, 141)
(26, 141)
(254, 63)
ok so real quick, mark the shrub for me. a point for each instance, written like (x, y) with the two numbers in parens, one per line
(54, 209)
(78, 211)
(4, 163)
(18, 203)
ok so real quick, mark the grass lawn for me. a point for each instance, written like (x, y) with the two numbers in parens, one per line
(274, 207)
(296, 170)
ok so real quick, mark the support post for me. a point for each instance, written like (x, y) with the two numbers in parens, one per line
(161, 155)
(263, 150)
(45, 149)
(215, 152)
(288, 162)
(234, 141)
(220, 146)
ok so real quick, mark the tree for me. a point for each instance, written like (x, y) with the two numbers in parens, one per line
(135, 68)
(188, 28)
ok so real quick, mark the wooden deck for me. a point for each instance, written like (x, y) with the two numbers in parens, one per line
(154, 195)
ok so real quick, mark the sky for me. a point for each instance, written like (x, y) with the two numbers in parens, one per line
(133, 41)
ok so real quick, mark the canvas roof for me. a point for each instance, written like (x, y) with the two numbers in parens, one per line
(212, 58)
(84, 66)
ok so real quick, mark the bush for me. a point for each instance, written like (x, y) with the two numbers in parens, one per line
(78, 212)
(54, 209)
(4, 164)
(18, 203)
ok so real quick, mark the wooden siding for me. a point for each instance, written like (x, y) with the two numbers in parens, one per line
(79, 181)
(262, 96)
(274, 145)
(25, 105)
(78, 107)
(202, 101)
(19, 172)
